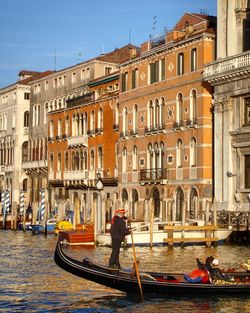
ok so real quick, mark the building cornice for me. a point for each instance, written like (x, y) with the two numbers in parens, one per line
(228, 69)
(173, 45)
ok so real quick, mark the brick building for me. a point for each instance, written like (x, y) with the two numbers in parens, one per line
(165, 147)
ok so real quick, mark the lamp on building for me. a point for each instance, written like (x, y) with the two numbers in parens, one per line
(230, 174)
(98, 215)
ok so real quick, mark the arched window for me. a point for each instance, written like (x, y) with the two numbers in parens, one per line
(73, 126)
(100, 120)
(85, 124)
(193, 60)
(81, 160)
(156, 156)
(135, 158)
(135, 199)
(135, 118)
(193, 153)
(77, 161)
(77, 124)
(156, 113)
(100, 158)
(192, 105)
(59, 162)
(67, 126)
(66, 161)
(51, 162)
(116, 115)
(161, 156)
(25, 184)
(59, 131)
(179, 153)
(24, 152)
(92, 120)
(125, 121)
(179, 204)
(162, 113)
(26, 119)
(51, 128)
(149, 157)
(124, 160)
(85, 161)
(179, 108)
(92, 159)
(80, 124)
(150, 115)
(73, 161)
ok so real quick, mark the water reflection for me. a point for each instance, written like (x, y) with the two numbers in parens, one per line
(31, 281)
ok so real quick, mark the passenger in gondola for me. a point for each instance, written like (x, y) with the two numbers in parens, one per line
(212, 266)
(118, 231)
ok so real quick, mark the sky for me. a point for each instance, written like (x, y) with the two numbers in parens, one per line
(41, 35)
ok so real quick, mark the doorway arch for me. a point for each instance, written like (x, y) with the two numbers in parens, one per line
(179, 204)
(135, 198)
(193, 203)
(156, 202)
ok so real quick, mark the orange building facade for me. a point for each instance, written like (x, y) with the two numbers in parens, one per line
(82, 148)
(165, 147)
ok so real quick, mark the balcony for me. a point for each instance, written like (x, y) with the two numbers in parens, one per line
(115, 126)
(191, 123)
(178, 125)
(38, 166)
(124, 134)
(226, 69)
(76, 175)
(154, 129)
(78, 141)
(152, 175)
(81, 100)
(133, 132)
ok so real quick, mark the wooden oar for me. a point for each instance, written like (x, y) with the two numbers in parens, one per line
(136, 265)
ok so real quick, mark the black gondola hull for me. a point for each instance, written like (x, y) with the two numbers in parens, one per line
(129, 284)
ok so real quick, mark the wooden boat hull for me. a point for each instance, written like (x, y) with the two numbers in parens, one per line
(152, 283)
(77, 237)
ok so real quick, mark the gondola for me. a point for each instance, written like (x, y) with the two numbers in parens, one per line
(151, 282)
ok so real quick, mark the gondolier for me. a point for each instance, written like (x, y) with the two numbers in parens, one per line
(118, 231)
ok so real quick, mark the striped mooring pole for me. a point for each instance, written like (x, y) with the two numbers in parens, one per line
(42, 207)
(7, 201)
(21, 203)
(3, 207)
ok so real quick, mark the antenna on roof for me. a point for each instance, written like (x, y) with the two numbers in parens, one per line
(129, 37)
(204, 11)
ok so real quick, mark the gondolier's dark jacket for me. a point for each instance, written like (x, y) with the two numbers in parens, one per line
(118, 229)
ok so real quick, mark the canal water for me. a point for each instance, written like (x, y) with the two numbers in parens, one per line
(30, 281)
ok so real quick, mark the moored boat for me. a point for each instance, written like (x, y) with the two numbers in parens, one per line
(151, 282)
(64, 225)
(191, 234)
(82, 235)
(47, 227)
